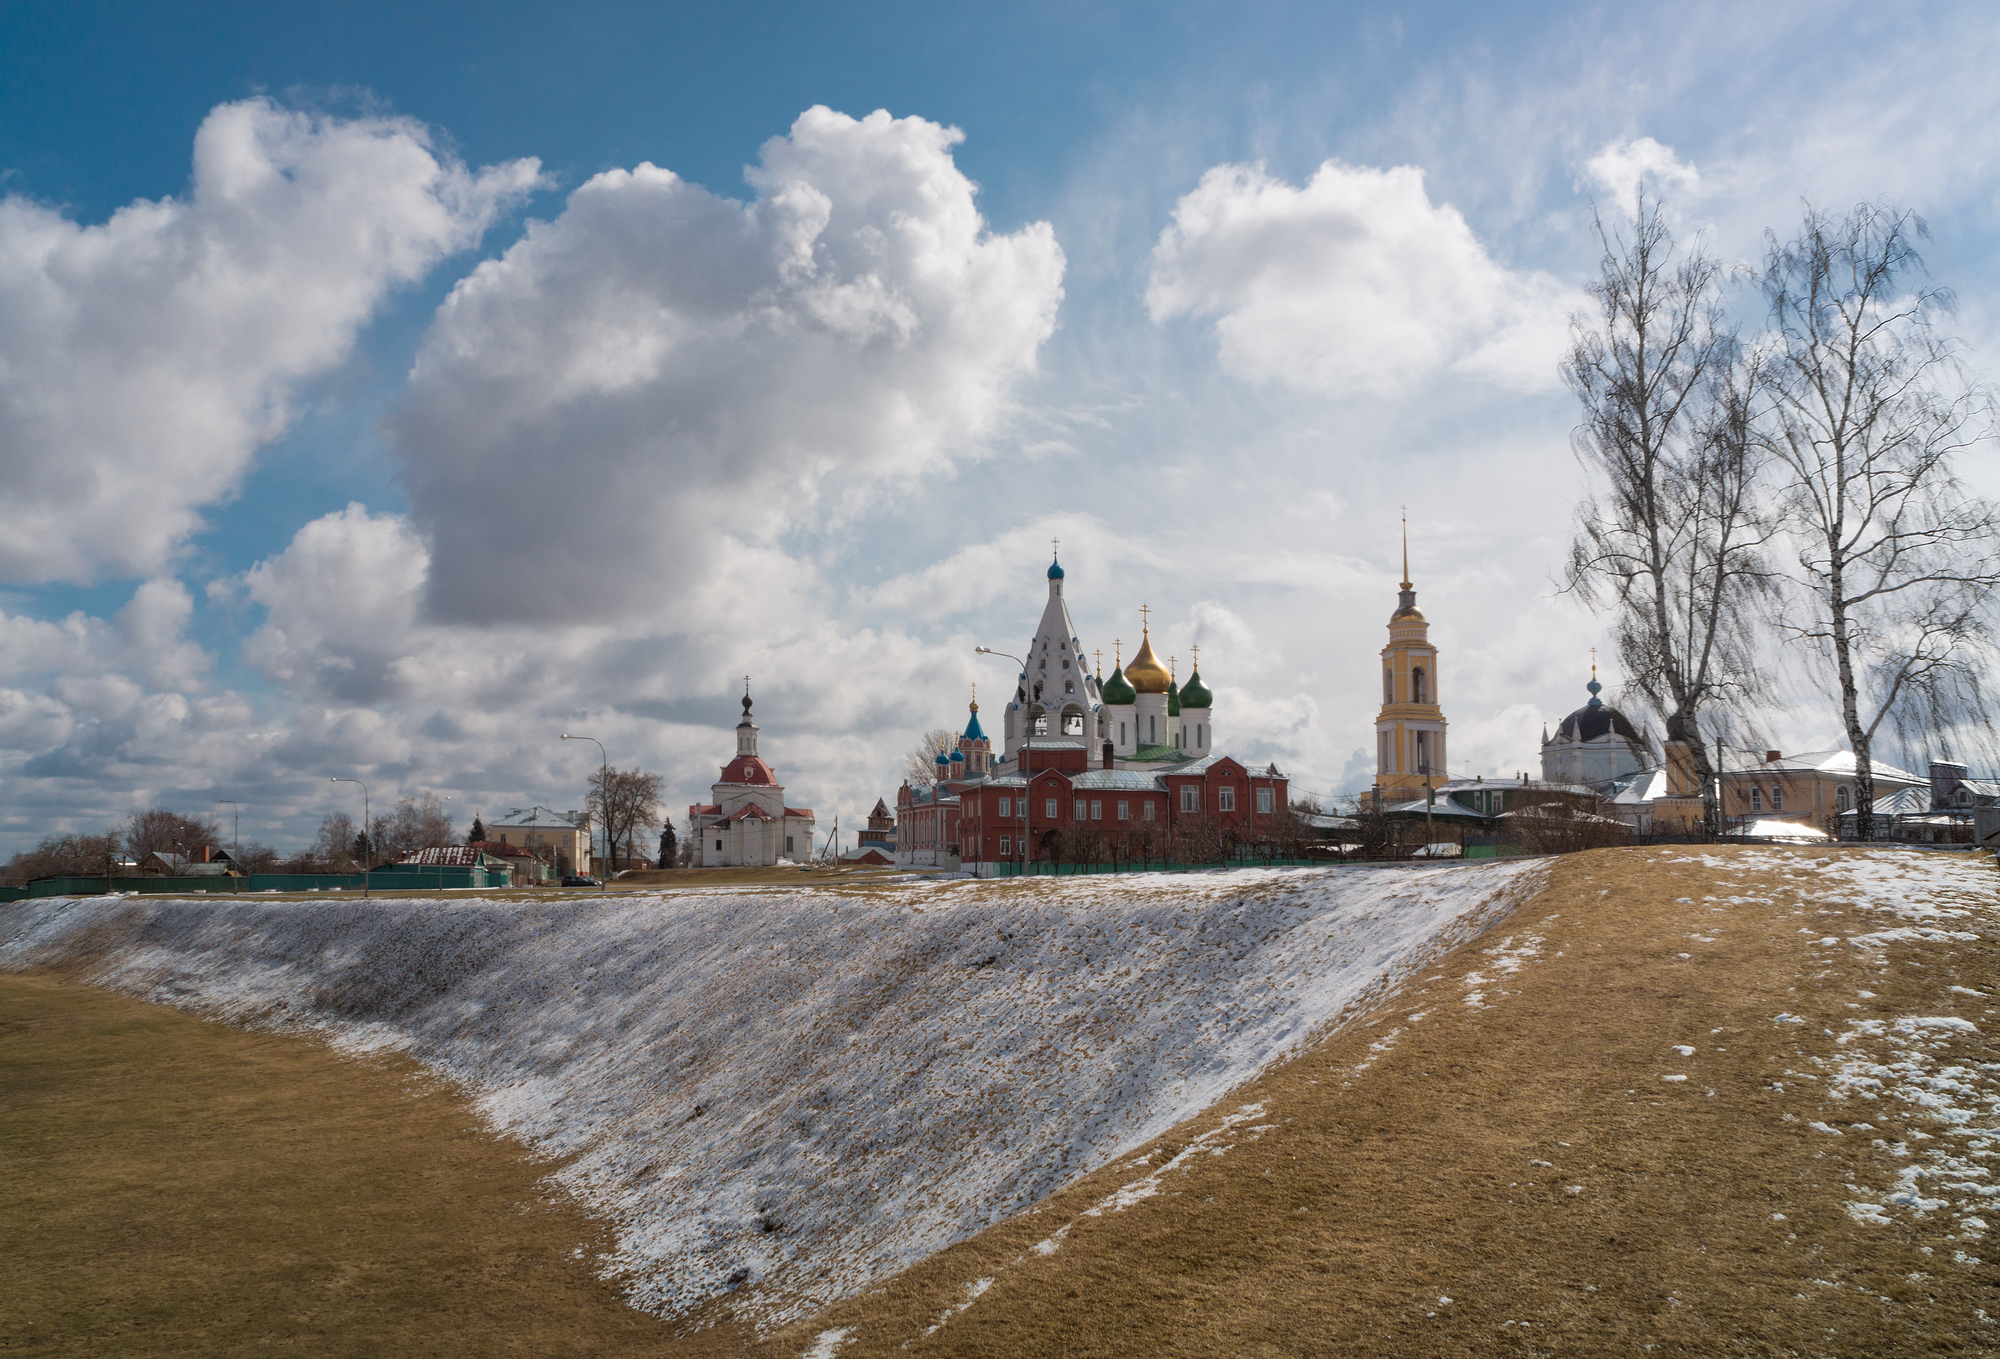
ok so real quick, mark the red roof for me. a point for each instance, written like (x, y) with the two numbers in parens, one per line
(500, 849)
(798, 811)
(748, 769)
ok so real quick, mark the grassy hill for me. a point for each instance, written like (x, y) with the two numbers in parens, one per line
(1735, 1101)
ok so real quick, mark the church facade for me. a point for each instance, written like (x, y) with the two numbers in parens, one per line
(748, 823)
(1088, 765)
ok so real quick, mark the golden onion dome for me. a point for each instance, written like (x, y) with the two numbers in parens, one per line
(1145, 673)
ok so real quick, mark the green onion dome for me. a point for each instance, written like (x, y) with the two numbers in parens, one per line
(1194, 694)
(1118, 689)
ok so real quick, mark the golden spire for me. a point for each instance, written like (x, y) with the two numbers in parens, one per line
(1593, 662)
(1406, 548)
(975, 698)
(1174, 667)
(1117, 653)
(1099, 654)
(1196, 649)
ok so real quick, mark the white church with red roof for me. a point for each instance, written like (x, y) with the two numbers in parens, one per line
(748, 823)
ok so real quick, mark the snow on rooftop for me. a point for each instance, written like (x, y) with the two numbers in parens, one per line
(810, 1089)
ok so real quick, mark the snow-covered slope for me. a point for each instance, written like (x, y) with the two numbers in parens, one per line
(780, 1095)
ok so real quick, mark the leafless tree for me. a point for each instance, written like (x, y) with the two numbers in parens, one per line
(1868, 411)
(159, 830)
(416, 823)
(1673, 539)
(71, 855)
(625, 802)
(920, 763)
(334, 848)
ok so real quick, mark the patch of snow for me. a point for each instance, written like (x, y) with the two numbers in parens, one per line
(828, 1343)
(1684, 1050)
(1673, 1078)
(778, 1095)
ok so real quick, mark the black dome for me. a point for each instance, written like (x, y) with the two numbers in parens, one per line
(1594, 719)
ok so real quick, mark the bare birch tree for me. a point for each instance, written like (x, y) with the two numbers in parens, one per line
(1672, 539)
(1897, 562)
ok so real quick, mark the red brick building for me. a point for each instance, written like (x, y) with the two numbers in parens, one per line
(1060, 810)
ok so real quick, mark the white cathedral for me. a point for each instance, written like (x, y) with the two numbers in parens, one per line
(1139, 716)
(748, 823)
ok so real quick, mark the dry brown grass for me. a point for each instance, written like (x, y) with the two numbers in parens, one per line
(179, 1187)
(1376, 1192)
(175, 1187)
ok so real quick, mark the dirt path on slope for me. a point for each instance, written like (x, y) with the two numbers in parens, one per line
(170, 1186)
(1637, 1117)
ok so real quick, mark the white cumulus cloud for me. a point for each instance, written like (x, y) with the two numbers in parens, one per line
(1622, 166)
(661, 367)
(1353, 282)
(144, 360)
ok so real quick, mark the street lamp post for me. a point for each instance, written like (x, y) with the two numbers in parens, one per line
(603, 794)
(1027, 740)
(365, 872)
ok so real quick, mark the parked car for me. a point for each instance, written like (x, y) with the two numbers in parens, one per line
(581, 880)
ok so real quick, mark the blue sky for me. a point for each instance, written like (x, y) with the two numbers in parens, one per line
(423, 423)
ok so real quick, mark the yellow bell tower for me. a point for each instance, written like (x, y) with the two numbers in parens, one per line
(1409, 731)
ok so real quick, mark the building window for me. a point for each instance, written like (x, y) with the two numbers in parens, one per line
(1006, 845)
(1777, 798)
(1264, 801)
(1041, 726)
(1149, 811)
(1121, 733)
(1190, 798)
(1225, 798)
(1756, 798)
(1124, 811)
(1200, 734)
(1420, 691)
(1096, 810)
(1081, 814)
(1153, 730)
(1388, 686)
(1069, 686)
(1423, 750)
(1840, 798)
(718, 844)
(1049, 808)
(788, 844)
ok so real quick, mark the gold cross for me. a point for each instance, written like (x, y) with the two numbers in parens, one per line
(1055, 547)
(1099, 654)
(1593, 662)
(1145, 616)
(1117, 653)
(1196, 649)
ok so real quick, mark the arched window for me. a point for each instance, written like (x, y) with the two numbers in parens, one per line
(1069, 686)
(1419, 691)
(1756, 798)
(1388, 686)
(1041, 726)
(1840, 798)
(1072, 724)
